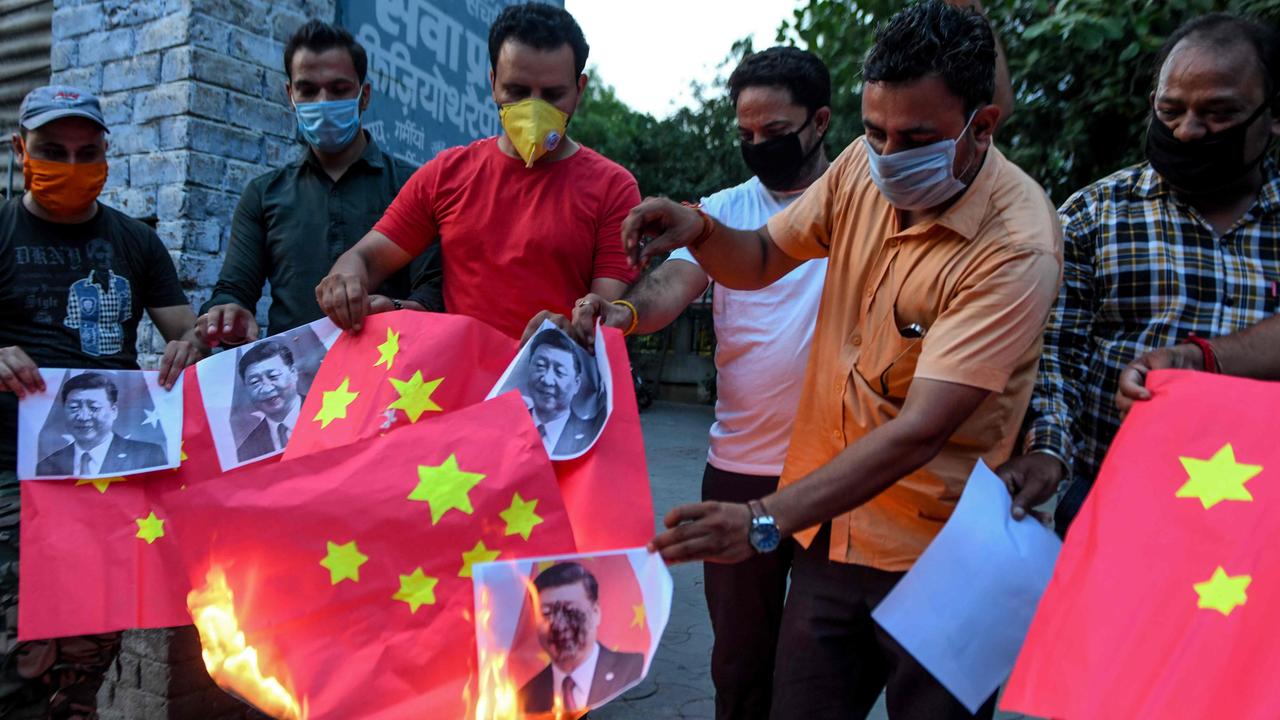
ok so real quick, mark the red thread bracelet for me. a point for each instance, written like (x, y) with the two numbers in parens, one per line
(1206, 348)
(708, 226)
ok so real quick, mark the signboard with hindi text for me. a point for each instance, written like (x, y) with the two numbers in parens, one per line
(429, 67)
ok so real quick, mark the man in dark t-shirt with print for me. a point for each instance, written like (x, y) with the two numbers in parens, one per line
(75, 277)
(527, 221)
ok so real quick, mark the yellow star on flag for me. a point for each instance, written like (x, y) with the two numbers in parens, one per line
(637, 617)
(335, 403)
(182, 457)
(417, 589)
(150, 528)
(415, 396)
(520, 517)
(1222, 592)
(388, 350)
(1218, 478)
(445, 487)
(343, 562)
(477, 554)
(101, 483)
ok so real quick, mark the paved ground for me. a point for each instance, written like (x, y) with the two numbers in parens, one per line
(679, 684)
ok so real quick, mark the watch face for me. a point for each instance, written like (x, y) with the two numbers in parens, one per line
(765, 537)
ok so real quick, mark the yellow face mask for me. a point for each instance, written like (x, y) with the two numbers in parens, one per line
(534, 126)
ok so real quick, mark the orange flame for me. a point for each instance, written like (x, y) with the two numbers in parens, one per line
(231, 662)
(498, 697)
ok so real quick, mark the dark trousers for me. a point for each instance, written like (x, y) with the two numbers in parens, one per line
(834, 660)
(745, 602)
(55, 679)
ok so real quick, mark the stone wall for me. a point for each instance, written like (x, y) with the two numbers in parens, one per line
(194, 93)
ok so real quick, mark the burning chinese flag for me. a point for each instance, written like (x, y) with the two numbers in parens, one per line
(100, 555)
(402, 368)
(1166, 597)
(338, 584)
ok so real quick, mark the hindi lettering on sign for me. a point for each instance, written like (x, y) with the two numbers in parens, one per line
(392, 74)
(483, 10)
(482, 120)
(477, 60)
(429, 68)
(410, 132)
(415, 20)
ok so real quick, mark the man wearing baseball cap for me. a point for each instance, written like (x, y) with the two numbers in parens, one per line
(75, 276)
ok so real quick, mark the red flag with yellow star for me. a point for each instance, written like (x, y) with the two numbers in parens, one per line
(1166, 596)
(347, 571)
(405, 367)
(99, 555)
(402, 368)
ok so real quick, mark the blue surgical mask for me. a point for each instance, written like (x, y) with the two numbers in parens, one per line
(331, 125)
(919, 178)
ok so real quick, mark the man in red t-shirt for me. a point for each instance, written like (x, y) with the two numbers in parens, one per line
(527, 221)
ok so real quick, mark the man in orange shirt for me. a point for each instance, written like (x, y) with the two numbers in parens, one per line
(944, 260)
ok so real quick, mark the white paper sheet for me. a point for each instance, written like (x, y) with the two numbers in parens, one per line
(126, 421)
(240, 409)
(627, 619)
(964, 608)
(582, 397)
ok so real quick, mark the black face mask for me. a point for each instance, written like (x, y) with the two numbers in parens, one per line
(1205, 164)
(778, 161)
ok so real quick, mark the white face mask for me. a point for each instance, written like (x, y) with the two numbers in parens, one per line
(918, 178)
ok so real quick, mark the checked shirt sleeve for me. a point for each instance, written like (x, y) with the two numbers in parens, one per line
(72, 320)
(1064, 361)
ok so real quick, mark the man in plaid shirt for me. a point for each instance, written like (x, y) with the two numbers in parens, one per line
(1181, 247)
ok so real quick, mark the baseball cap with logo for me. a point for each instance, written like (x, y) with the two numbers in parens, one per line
(54, 102)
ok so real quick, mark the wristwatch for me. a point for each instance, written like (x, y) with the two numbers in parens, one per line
(763, 534)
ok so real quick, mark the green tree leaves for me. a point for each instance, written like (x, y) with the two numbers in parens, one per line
(1081, 72)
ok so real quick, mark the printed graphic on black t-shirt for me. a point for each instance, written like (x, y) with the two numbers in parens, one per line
(72, 295)
(99, 305)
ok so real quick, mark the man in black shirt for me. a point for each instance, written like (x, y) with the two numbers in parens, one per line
(293, 223)
(75, 276)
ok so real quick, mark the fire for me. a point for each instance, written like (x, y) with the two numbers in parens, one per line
(498, 697)
(231, 662)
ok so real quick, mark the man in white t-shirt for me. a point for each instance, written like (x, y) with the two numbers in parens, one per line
(781, 97)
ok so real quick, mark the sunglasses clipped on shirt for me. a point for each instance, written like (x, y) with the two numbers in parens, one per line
(914, 331)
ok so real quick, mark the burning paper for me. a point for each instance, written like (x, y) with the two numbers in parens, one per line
(557, 636)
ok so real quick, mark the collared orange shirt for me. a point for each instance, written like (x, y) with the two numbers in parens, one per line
(980, 279)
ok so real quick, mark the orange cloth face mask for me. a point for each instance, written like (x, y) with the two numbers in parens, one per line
(63, 189)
